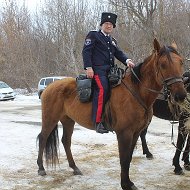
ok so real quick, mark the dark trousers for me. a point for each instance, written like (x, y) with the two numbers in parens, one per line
(100, 94)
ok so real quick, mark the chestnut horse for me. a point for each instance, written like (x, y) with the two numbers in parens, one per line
(130, 105)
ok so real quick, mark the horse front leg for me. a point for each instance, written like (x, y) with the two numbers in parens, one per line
(125, 144)
(180, 141)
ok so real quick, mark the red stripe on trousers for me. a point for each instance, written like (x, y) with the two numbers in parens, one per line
(100, 98)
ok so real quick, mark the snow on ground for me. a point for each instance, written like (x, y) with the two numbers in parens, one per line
(96, 155)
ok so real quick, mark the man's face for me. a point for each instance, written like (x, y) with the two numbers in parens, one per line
(107, 27)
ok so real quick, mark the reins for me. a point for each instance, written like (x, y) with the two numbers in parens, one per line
(166, 83)
(149, 89)
(136, 96)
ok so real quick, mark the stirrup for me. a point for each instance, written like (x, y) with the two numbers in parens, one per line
(100, 128)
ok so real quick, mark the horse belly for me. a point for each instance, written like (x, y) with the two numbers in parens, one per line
(80, 113)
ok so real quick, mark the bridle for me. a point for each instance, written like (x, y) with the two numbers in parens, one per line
(171, 80)
(165, 82)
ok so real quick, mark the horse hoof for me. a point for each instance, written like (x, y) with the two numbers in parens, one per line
(180, 172)
(187, 167)
(41, 172)
(77, 172)
(149, 156)
(133, 187)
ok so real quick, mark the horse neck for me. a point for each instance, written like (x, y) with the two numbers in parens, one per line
(150, 80)
(149, 88)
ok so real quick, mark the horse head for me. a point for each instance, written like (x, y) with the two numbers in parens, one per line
(169, 70)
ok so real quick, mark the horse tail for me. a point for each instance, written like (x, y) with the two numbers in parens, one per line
(52, 144)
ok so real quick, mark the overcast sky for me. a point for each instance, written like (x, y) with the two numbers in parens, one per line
(31, 4)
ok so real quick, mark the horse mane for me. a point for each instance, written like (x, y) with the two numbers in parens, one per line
(137, 69)
(165, 50)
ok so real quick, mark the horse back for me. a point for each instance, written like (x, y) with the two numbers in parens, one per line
(66, 86)
(57, 95)
(61, 100)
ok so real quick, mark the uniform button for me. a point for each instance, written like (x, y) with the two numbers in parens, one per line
(108, 42)
(110, 53)
(108, 48)
(110, 59)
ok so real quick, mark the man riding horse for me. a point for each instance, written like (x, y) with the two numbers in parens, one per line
(98, 56)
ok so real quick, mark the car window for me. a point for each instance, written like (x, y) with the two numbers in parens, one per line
(48, 81)
(42, 82)
(3, 85)
(56, 79)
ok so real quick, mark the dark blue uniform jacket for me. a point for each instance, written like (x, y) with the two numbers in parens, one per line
(99, 52)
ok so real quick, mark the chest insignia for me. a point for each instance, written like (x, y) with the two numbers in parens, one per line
(87, 41)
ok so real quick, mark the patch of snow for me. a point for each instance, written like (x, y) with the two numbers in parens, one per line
(95, 154)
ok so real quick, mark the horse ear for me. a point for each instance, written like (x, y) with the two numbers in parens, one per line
(174, 45)
(156, 45)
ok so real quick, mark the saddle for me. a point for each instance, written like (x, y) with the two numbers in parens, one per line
(84, 88)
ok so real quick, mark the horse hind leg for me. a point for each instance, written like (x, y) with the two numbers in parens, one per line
(41, 141)
(68, 127)
(48, 141)
(146, 151)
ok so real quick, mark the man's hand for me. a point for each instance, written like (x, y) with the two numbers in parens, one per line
(89, 72)
(130, 64)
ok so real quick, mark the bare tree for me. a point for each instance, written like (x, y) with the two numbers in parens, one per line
(167, 20)
(50, 42)
(15, 26)
(141, 12)
(66, 23)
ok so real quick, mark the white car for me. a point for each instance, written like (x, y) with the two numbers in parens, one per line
(44, 82)
(6, 92)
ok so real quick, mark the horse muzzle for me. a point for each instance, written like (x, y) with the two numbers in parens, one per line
(178, 92)
(180, 96)
(185, 105)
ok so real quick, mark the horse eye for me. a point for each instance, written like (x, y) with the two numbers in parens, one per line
(163, 66)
